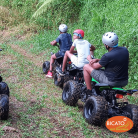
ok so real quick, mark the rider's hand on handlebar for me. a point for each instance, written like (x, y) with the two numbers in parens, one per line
(53, 43)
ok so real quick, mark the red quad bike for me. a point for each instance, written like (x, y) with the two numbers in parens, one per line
(4, 99)
(102, 104)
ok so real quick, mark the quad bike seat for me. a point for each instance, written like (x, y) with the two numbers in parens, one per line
(101, 84)
(73, 67)
(104, 84)
(59, 57)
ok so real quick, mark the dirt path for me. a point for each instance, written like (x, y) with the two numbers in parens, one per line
(37, 60)
(17, 104)
(36, 100)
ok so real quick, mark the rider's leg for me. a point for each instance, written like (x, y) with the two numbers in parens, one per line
(53, 57)
(67, 54)
(87, 69)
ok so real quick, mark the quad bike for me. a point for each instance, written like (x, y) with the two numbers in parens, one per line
(102, 104)
(57, 63)
(71, 72)
(4, 99)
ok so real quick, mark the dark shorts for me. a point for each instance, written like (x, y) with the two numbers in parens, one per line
(59, 54)
(99, 76)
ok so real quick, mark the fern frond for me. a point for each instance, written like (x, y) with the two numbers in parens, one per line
(43, 8)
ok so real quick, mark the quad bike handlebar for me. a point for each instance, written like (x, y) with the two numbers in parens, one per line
(57, 46)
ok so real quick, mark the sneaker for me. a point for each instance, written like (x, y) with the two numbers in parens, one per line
(49, 74)
(90, 93)
(60, 71)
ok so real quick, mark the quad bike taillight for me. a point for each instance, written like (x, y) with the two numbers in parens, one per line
(119, 96)
(69, 62)
(129, 94)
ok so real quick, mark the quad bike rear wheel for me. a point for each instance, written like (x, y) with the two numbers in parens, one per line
(45, 67)
(133, 111)
(71, 93)
(95, 110)
(4, 89)
(4, 107)
(58, 80)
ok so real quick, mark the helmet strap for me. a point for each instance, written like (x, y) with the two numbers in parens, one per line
(116, 45)
(107, 48)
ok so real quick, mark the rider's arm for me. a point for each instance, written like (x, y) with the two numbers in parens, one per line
(96, 65)
(92, 48)
(72, 50)
(54, 43)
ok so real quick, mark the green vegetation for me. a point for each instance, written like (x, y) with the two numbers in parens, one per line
(95, 17)
(36, 107)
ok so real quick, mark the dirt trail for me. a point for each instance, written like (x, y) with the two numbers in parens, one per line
(16, 106)
(37, 60)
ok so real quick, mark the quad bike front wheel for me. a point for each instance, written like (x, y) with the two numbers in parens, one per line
(0, 79)
(4, 106)
(95, 110)
(45, 67)
(133, 111)
(71, 93)
(67, 78)
(58, 80)
(4, 89)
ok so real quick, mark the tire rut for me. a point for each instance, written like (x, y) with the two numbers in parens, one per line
(35, 59)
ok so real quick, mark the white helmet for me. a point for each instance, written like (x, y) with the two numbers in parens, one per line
(63, 28)
(110, 39)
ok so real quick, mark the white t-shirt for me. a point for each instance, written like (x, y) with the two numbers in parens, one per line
(83, 50)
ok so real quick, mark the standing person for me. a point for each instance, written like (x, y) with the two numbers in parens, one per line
(65, 42)
(83, 48)
(115, 62)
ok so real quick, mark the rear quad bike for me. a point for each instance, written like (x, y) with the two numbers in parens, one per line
(4, 99)
(102, 104)
(71, 71)
(57, 63)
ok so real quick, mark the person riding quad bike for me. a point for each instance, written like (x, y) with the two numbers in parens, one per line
(4, 99)
(115, 62)
(101, 94)
(83, 49)
(65, 42)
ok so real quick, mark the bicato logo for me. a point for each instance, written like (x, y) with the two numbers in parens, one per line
(119, 124)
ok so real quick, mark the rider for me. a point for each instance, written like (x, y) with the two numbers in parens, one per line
(65, 42)
(83, 48)
(115, 62)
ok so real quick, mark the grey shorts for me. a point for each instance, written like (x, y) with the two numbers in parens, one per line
(99, 76)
